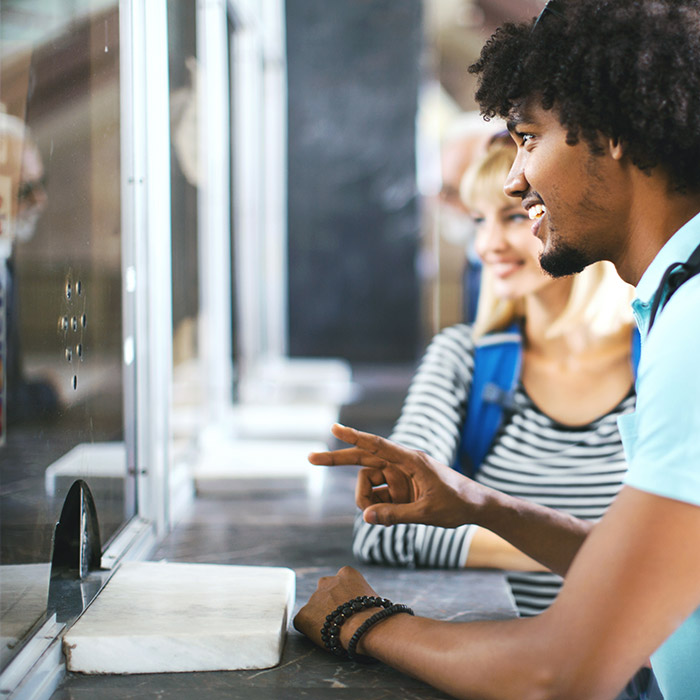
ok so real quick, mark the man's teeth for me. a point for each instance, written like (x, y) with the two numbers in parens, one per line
(536, 211)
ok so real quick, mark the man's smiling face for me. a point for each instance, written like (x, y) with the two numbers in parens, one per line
(572, 196)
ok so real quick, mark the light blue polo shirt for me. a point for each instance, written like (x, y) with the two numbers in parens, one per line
(662, 437)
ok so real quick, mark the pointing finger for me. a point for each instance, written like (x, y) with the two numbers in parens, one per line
(351, 456)
(375, 445)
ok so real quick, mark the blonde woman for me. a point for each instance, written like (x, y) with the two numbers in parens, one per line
(571, 346)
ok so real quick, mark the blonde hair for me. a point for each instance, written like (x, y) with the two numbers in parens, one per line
(599, 299)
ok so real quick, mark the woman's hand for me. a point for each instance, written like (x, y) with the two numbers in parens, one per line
(331, 592)
(399, 485)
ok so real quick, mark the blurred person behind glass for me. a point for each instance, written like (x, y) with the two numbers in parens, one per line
(23, 200)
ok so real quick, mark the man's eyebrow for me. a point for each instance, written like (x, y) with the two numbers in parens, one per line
(518, 116)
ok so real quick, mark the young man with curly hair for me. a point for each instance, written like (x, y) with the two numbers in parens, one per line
(602, 98)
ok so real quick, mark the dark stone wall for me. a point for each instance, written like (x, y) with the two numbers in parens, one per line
(353, 68)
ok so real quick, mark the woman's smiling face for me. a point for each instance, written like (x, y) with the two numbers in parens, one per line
(506, 245)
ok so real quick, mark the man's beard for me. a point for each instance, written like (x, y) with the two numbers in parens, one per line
(561, 260)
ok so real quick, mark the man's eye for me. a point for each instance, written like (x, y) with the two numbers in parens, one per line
(525, 138)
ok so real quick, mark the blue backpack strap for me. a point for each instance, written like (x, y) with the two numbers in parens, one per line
(497, 361)
(497, 364)
(676, 274)
(636, 350)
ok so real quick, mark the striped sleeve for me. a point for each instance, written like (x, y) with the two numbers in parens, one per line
(431, 420)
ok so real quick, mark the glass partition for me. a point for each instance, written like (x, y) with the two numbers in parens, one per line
(61, 289)
(189, 410)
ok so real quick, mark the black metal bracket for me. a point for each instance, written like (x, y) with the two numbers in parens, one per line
(76, 574)
(76, 544)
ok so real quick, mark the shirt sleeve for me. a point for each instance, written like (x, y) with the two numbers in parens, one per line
(662, 437)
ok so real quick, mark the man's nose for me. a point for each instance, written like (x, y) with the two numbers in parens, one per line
(516, 184)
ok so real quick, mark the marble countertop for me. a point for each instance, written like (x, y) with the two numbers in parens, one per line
(269, 524)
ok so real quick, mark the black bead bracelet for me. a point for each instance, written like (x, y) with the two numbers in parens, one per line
(330, 632)
(370, 622)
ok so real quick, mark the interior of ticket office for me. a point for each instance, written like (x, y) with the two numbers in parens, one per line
(220, 233)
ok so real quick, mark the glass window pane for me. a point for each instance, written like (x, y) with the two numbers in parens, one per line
(61, 270)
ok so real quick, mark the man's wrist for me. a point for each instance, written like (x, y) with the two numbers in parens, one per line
(348, 629)
(484, 510)
(333, 625)
(368, 625)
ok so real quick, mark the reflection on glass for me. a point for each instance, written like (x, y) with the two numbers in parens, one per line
(60, 288)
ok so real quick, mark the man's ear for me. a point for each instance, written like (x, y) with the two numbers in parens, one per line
(615, 149)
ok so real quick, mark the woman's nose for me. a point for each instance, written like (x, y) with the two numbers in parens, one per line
(490, 237)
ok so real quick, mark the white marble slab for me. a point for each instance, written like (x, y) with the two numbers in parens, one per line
(158, 617)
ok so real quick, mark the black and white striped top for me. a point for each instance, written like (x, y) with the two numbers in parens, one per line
(578, 470)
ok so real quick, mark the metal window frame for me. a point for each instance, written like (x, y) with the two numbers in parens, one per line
(213, 197)
(146, 254)
(275, 177)
(259, 119)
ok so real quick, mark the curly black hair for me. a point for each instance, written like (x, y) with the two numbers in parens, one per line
(624, 69)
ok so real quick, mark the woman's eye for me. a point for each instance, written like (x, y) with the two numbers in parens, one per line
(478, 220)
(518, 218)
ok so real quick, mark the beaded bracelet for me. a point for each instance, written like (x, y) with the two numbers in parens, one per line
(330, 632)
(370, 622)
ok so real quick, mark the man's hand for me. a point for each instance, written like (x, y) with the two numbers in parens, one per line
(399, 485)
(331, 592)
